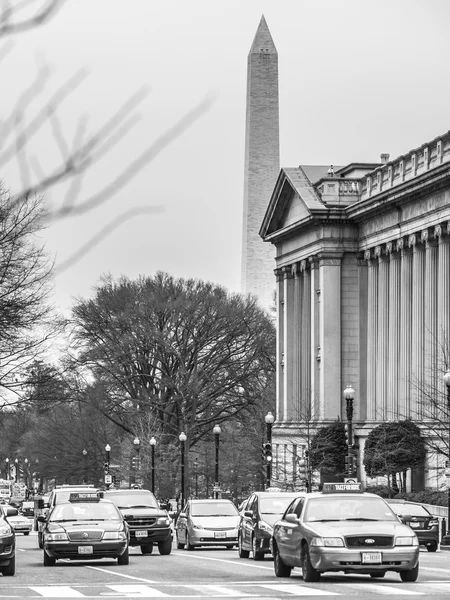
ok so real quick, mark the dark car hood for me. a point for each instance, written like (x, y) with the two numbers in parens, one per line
(142, 512)
(86, 525)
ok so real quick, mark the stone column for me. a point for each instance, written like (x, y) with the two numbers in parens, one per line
(315, 338)
(289, 338)
(372, 296)
(383, 330)
(443, 295)
(330, 336)
(417, 345)
(305, 358)
(394, 331)
(280, 345)
(297, 325)
(405, 329)
(430, 318)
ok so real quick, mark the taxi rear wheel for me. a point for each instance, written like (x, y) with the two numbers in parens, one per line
(257, 554)
(242, 553)
(40, 540)
(10, 569)
(48, 560)
(147, 549)
(309, 572)
(124, 559)
(411, 575)
(432, 547)
(189, 546)
(165, 547)
(281, 570)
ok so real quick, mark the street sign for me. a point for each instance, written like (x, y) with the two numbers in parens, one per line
(111, 466)
(108, 478)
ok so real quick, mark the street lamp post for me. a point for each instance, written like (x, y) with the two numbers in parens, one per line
(152, 446)
(85, 465)
(135, 461)
(446, 538)
(196, 476)
(7, 469)
(182, 438)
(349, 395)
(269, 419)
(25, 472)
(217, 432)
(107, 464)
(16, 465)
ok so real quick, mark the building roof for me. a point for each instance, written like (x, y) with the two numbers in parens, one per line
(317, 172)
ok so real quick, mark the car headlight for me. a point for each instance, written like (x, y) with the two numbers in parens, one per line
(114, 535)
(410, 540)
(163, 521)
(328, 541)
(196, 525)
(265, 526)
(5, 530)
(56, 537)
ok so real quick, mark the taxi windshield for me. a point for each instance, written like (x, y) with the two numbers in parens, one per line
(85, 511)
(275, 505)
(345, 508)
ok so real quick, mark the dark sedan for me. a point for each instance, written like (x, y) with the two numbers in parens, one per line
(421, 521)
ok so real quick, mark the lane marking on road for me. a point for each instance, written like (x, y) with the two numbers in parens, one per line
(390, 590)
(57, 592)
(230, 562)
(120, 574)
(138, 591)
(299, 590)
(219, 590)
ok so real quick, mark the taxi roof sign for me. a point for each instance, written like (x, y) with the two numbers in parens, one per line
(84, 497)
(336, 488)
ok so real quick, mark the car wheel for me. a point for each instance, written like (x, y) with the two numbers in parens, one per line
(281, 570)
(411, 575)
(309, 572)
(432, 547)
(26, 533)
(147, 549)
(189, 546)
(242, 553)
(10, 569)
(40, 540)
(180, 545)
(257, 554)
(165, 547)
(48, 560)
(379, 574)
(124, 559)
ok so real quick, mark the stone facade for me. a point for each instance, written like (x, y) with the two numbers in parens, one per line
(363, 295)
(262, 164)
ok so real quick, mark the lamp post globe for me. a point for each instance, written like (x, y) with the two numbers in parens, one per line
(269, 418)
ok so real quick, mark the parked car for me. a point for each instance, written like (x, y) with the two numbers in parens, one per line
(7, 547)
(18, 522)
(207, 523)
(421, 521)
(258, 514)
(27, 508)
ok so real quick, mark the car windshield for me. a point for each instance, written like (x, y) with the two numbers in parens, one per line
(85, 511)
(134, 500)
(275, 505)
(345, 508)
(213, 509)
(415, 510)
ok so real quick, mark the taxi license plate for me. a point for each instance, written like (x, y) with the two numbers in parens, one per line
(141, 533)
(371, 558)
(85, 549)
(412, 524)
(220, 534)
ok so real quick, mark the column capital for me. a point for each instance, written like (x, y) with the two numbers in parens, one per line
(287, 272)
(313, 261)
(278, 274)
(303, 265)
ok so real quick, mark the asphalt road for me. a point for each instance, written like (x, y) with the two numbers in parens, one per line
(204, 573)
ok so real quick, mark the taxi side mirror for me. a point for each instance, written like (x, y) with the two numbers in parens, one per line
(41, 519)
(248, 513)
(291, 518)
(405, 517)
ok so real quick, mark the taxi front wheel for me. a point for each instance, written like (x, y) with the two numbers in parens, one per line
(124, 559)
(48, 560)
(411, 575)
(309, 572)
(281, 570)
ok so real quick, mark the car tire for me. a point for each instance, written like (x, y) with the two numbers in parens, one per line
(10, 569)
(281, 570)
(40, 540)
(48, 560)
(26, 533)
(189, 546)
(411, 575)
(124, 559)
(165, 547)
(378, 575)
(147, 549)
(242, 553)
(309, 572)
(432, 547)
(257, 554)
(180, 545)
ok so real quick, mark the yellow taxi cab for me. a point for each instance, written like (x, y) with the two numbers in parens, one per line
(343, 529)
(85, 527)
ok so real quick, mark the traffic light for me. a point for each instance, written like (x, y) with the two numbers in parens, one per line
(106, 468)
(346, 433)
(267, 451)
(135, 462)
(302, 468)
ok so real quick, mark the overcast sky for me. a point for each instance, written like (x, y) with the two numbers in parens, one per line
(357, 78)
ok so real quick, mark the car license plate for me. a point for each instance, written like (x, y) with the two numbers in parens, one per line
(414, 524)
(372, 558)
(220, 534)
(85, 549)
(141, 534)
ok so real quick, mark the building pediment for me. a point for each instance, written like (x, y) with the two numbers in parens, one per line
(293, 201)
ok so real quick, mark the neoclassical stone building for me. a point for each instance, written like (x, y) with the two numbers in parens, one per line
(363, 293)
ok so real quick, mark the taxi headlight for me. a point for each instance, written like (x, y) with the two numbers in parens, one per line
(5, 530)
(328, 542)
(265, 526)
(56, 537)
(114, 535)
(410, 540)
(163, 521)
